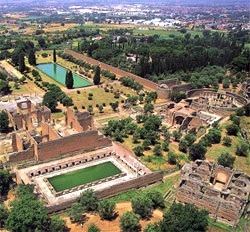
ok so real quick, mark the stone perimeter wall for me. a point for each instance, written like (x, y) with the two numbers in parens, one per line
(147, 83)
(115, 189)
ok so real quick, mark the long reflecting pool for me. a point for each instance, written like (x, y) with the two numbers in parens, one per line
(58, 73)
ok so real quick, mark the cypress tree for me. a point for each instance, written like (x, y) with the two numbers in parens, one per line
(21, 63)
(97, 77)
(69, 81)
(32, 57)
(54, 56)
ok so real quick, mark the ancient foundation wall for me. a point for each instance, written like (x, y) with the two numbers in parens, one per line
(72, 143)
(147, 83)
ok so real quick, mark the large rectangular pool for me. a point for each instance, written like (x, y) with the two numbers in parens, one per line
(83, 176)
(58, 73)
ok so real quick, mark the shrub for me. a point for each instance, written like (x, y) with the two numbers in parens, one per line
(232, 129)
(90, 98)
(227, 141)
(172, 157)
(242, 149)
(226, 160)
(78, 91)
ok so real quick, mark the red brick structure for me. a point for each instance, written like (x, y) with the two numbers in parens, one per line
(37, 138)
(223, 192)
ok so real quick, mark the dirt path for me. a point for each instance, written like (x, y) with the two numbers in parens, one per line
(110, 226)
(171, 175)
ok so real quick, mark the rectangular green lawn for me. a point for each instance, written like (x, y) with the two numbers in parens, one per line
(83, 176)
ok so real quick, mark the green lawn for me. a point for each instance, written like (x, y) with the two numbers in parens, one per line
(164, 34)
(83, 176)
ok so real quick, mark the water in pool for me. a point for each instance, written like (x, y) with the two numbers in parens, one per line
(58, 73)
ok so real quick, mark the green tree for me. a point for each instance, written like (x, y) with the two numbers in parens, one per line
(32, 57)
(93, 228)
(152, 228)
(97, 76)
(242, 149)
(50, 101)
(106, 209)
(88, 200)
(183, 145)
(76, 212)
(176, 219)
(157, 150)
(227, 141)
(22, 79)
(27, 214)
(54, 56)
(114, 105)
(3, 215)
(4, 122)
(57, 224)
(138, 150)
(190, 138)
(21, 63)
(226, 160)
(136, 137)
(197, 151)
(142, 205)
(148, 108)
(4, 87)
(156, 197)
(5, 181)
(176, 135)
(69, 80)
(214, 136)
(232, 129)
(172, 157)
(165, 145)
(129, 222)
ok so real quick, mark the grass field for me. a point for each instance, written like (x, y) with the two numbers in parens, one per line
(164, 33)
(83, 176)
(215, 150)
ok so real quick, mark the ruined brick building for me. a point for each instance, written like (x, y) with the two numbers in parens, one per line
(223, 192)
(38, 137)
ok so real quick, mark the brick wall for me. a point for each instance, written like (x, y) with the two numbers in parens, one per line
(23, 155)
(72, 143)
(181, 88)
(147, 83)
(47, 130)
(16, 143)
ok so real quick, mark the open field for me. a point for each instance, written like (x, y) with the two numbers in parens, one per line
(164, 33)
(83, 176)
(99, 97)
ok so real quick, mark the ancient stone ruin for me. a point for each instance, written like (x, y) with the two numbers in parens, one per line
(223, 192)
